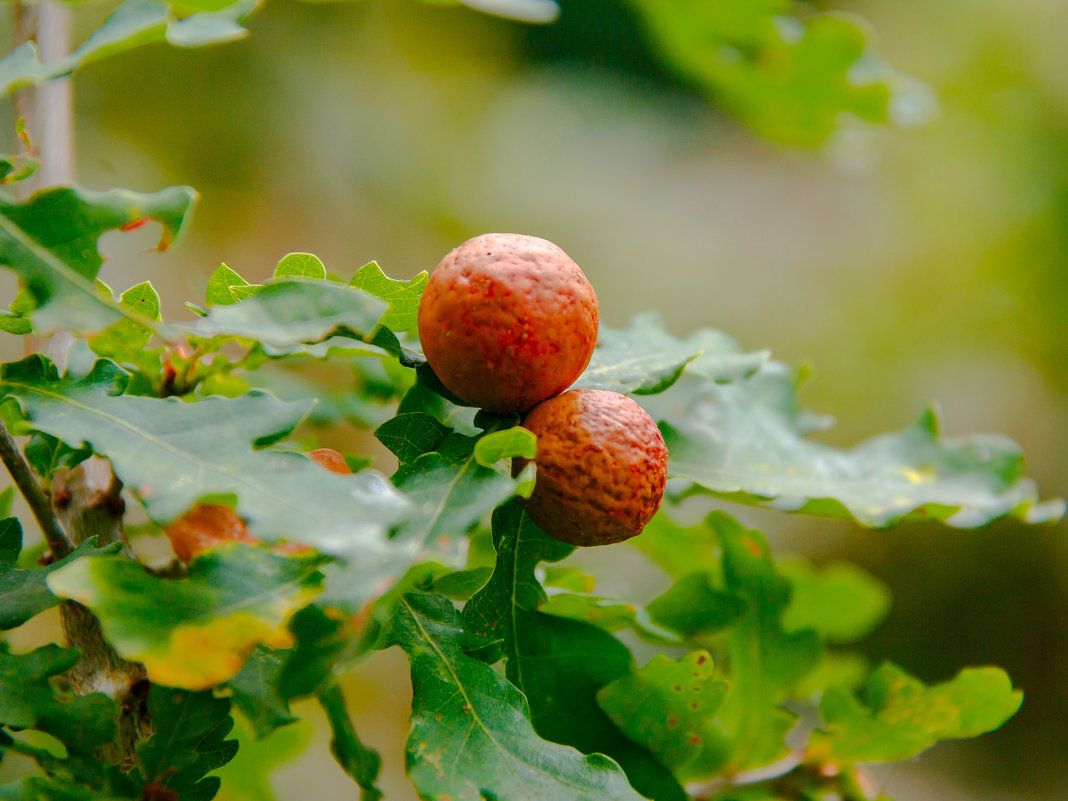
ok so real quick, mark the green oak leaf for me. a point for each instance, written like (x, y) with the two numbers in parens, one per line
(356, 759)
(50, 241)
(213, 25)
(736, 594)
(791, 76)
(28, 701)
(20, 68)
(645, 359)
(221, 286)
(840, 601)
(24, 592)
(506, 444)
(450, 491)
(250, 775)
(197, 632)
(896, 716)
(126, 341)
(460, 585)
(300, 265)
(471, 737)
(559, 664)
(256, 694)
(402, 296)
(46, 454)
(608, 614)
(172, 454)
(745, 441)
(40, 788)
(409, 435)
(189, 742)
(530, 11)
(668, 706)
(765, 661)
(696, 605)
(323, 640)
(290, 311)
(133, 24)
(69, 221)
(680, 550)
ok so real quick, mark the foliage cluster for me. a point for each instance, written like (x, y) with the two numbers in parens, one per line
(524, 676)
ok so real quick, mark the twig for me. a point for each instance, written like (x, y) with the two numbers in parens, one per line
(55, 98)
(34, 495)
(88, 501)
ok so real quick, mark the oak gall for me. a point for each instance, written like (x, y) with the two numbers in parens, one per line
(601, 467)
(507, 320)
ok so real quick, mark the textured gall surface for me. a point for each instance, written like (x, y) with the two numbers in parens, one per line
(507, 320)
(602, 466)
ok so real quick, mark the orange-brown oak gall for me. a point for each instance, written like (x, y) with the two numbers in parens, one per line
(601, 467)
(209, 525)
(507, 320)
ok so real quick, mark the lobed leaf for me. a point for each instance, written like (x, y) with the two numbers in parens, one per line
(608, 614)
(402, 296)
(214, 25)
(668, 706)
(409, 435)
(133, 24)
(256, 691)
(126, 341)
(46, 454)
(645, 359)
(736, 593)
(896, 716)
(69, 221)
(40, 788)
(449, 490)
(745, 441)
(558, 664)
(24, 592)
(28, 701)
(506, 444)
(20, 68)
(766, 661)
(471, 737)
(356, 759)
(790, 76)
(839, 601)
(197, 632)
(189, 742)
(224, 285)
(50, 241)
(288, 312)
(300, 265)
(696, 605)
(172, 454)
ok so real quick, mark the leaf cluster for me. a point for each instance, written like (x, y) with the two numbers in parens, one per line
(525, 678)
(439, 558)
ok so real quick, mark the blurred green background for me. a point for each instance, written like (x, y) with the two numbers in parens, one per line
(907, 266)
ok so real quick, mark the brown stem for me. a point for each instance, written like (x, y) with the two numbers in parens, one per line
(88, 501)
(35, 496)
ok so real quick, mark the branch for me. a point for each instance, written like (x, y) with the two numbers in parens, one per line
(35, 496)
(88, 501)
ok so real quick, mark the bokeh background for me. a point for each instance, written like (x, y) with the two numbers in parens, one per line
(906, 266)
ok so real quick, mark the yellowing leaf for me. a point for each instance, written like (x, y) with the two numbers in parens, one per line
(196, 632)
